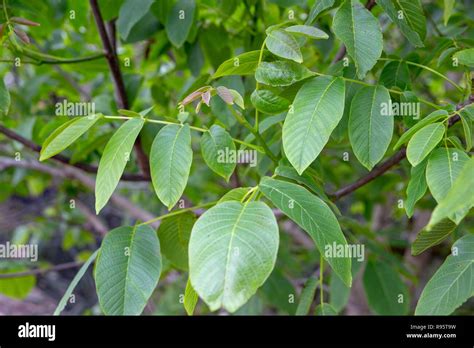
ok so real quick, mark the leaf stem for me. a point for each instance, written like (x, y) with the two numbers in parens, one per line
(198, 129)
(321, 280)
(390, 90)
(255, 133)
(426, 68)
(178, 212)
(257, 85)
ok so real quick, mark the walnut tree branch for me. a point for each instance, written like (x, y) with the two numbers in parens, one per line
(121, 93)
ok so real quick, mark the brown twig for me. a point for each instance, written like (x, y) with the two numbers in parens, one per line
(392, 161)
(121, 93)
(39, 271)
(63, 159)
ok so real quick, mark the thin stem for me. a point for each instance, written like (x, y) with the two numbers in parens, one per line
(426, 68)
(198, 129)
(178, 212)
(371, 85)
(257, 85)
(321, 280)
(255, 133)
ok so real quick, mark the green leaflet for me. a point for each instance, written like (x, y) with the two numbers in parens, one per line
(452, 283)
(416, 188)
(283, 45)
(448, 10)
(127, 269)
(318, 7)
(307, 296)
(66, 134)
(232, 252)
(360, 32)
(19, 287)
(67, 295)
(423, 142)
(131, 12)
(317, 109)
(171, 157)
(370, 130)
(214, 145)
(268, 102)
(465, 57)
(325, 309)
(243, 64)
(307, 31)
(444, 166)
(114, 159)
(409, 17)
(312, 215)
(395, 74)
(426, 239)
(179, 21)
(460, 197)
(236, 194)
(277, 290)
(4, 99)
(431, 118)
(467, 128)
(385, 291)
(174, 233)
(190, 298)
(281, 73)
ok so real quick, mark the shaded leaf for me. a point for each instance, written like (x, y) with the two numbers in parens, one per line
(312, 215)
(215, 144)
(281, 73)
(174, 233)
(452, 284)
